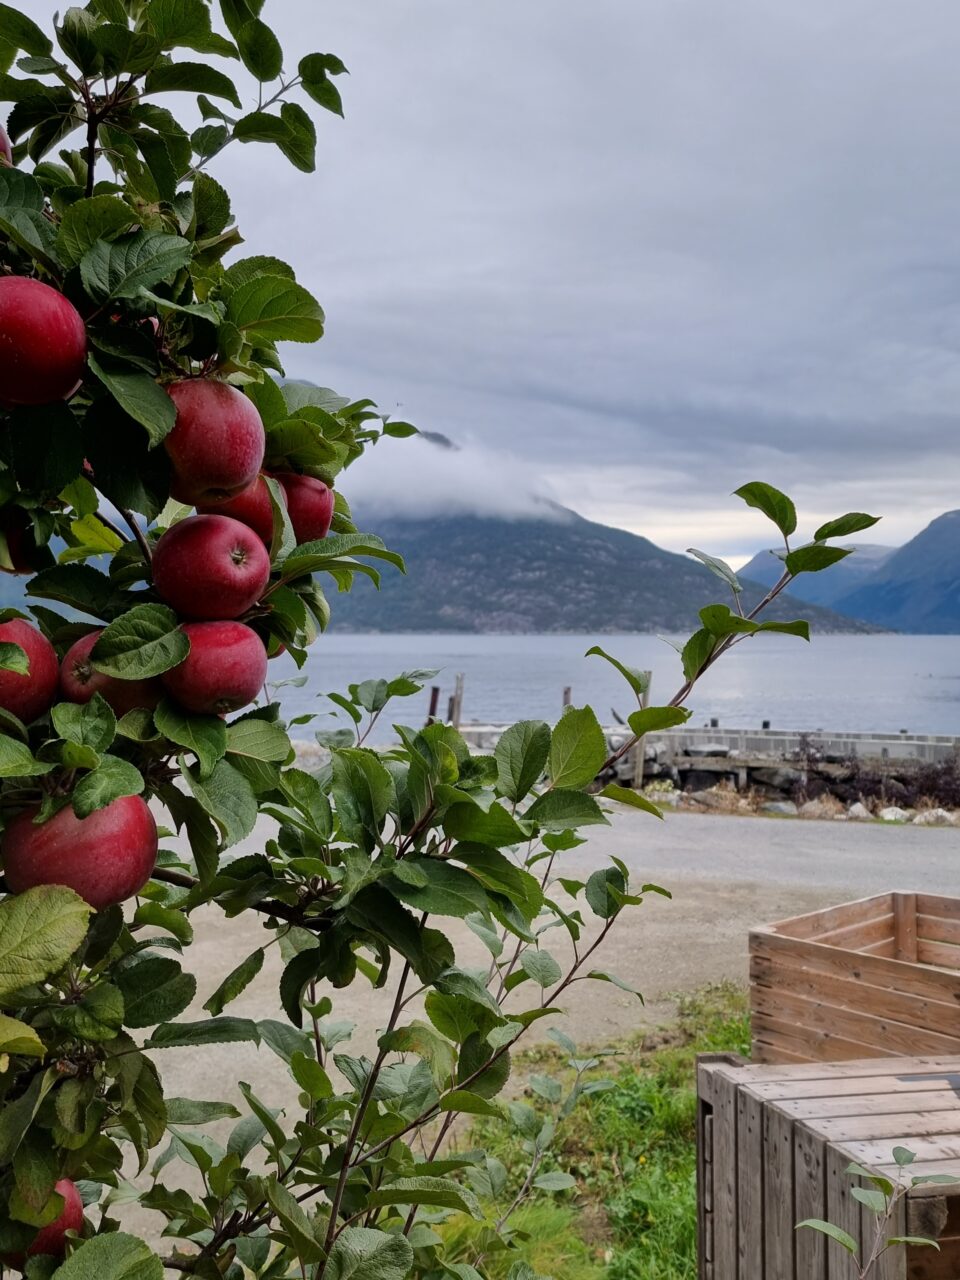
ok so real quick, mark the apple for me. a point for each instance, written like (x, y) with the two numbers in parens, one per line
(52, 1239)
(224, 670)
(80, 680)
(106, 858)
(217, 442)
(43, 344)
(6, 147)
(252, 507)
(310, 504)
(210, 567)
(29, 696)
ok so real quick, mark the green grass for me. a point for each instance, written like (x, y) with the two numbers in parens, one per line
(632, 1150)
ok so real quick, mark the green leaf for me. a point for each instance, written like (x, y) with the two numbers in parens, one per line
(843, 526)
(473, 1055)
(205, 736)
(186, 24)
(275, 309)
(697, 651)
(121, 268)
(499, 874)
(13, 658)
(903, 1156)
(470, 1104)
(87, 221)
(560, 810)
(814, 557)
(541, 967)
(300, 144)
(21, 32)
(111, 779)
(923, 1241)
(654, 719)
(235, 982)
(192, 77)
(45, 446)
(719, 568)
(168, 918)
(112, 1257)
(442, 1192)
(602, 901)
(799, 628)
(555, 1181)
(314, 70)
(155, 989)
(17, 760)
(578, 748)
(260, 126)
(776, 506)
(98, 1016)
(363, 793)
(227, 797)
(494, 826)
(310, 1076)
(875, 1201)
(521, 756)
(259, 740)
(144, 642)
(18, 1038)
(720, 620)
(360, 1253)
(636, 799)
(835, 1233)
(188, 1111)
(260, 50)
(639, 681)
(137, 394)
(601, 975)
(211, 1031)
(302, 1232)
(427, 884)
(39, 932)
(426, 1043)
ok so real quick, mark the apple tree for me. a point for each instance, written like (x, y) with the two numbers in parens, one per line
(177, 511)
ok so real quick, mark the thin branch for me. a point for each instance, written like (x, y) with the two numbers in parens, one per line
(137, 533)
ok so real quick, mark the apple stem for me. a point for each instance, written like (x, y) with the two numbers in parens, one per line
(137, 533)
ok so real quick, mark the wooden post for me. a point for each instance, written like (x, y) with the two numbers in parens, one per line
(434, 703)
(567, 694)
(638, 761)
(456, 702)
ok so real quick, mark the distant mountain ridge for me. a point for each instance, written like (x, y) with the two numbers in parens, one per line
(828, 586)
(552, 573)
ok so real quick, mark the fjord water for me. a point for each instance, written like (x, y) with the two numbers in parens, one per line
(853, 683)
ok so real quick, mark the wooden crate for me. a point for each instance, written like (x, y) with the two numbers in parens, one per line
(866, 979)
(773, 1144)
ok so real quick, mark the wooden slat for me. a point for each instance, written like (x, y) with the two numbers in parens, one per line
(913, 1067)
(842, 1210)
(929, 1264)
(849, 993)
(750, 1183)
(886, 948)
(945, 1152)
(905, 926)
(898, 1125)
(858, 1086)
(809, 1201)
(930, 983)
(931, 904)
(838, 917)
(886, 1035)
(938, 953)
(724, 1212)
(779, 1228)
(776, 1039)
(880, 1104)
(857, 937)
(938, 929)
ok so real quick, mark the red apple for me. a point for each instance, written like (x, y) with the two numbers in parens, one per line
(43, 344)
(6, 147)
(310, 503)
(224, 670)
(217, 443)
(52, 1239)
(106, 858)
(210, 567)
(252, 507)
(79, 681)
(31, 695)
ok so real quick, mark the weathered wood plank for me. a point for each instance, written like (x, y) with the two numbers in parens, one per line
(943, 954)
(932, 1125)
(724, 1212)
(927, 981)
(886, 1035)
(859, 1083)
(945, 1151)
(905, 926)
(939, 929)
(809, 1201)
(779, 1220)
(777, 1035)
(871, 1105)
(856, 936)
(843, 1210)
(849, 992)
(838, 917)
(932, 904)
(750, 1183)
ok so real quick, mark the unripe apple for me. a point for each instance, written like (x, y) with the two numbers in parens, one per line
(43, 344)
(80, 680)
(210, 567)
(106, 858)
(217, 443)
(310, 504)
(52, 1239)
(252, 507)
(224, 670)
(31, 695)
(6, 147)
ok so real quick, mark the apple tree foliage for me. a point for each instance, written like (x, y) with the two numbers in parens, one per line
(360, 865)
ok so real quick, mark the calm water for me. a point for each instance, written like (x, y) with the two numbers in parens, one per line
(853, 683)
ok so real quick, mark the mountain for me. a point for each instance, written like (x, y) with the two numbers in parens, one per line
(828, 586)
(556, 572)
(918, 588)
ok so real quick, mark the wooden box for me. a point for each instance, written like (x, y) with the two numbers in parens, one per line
(866, 979)
(773, 1144)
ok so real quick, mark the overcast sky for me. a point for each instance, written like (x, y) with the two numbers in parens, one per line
(633, 253)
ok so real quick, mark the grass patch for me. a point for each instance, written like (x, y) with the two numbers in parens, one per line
(632, 1151)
